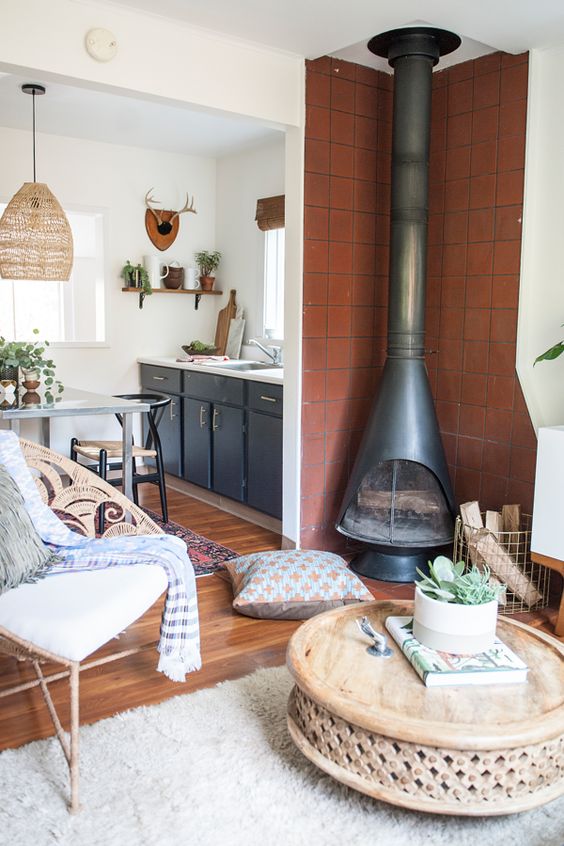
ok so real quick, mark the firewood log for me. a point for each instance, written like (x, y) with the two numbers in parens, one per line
(485, 549)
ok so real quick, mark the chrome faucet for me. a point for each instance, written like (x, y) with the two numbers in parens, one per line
(274, 353)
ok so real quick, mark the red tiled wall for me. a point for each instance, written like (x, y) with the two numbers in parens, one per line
(348, 136)
(476, 202)
(476, 186)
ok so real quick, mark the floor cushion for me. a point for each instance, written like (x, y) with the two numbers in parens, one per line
(73, 614)
(292, 584)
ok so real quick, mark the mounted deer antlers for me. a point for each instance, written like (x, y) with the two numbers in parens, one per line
(185, 208)
(162, 225)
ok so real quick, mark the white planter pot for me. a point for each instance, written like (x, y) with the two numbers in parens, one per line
(448, 627)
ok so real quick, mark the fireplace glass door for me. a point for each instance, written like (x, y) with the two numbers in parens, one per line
(399, 503)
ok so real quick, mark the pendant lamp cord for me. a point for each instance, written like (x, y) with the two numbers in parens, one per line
(34, 173)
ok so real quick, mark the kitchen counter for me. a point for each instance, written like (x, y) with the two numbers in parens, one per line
(273, 376)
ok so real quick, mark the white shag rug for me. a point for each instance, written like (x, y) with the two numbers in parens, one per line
(217, 768)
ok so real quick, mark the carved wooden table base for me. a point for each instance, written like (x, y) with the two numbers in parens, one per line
(373, 725)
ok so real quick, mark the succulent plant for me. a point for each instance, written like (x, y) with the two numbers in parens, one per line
(450, 582)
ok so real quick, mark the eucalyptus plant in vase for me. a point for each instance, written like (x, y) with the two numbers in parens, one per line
(456, 607)
(29, 359)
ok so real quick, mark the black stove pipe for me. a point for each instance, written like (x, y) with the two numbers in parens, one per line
(403, 421)
(412, 53)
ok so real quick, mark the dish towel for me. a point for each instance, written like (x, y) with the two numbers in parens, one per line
(179, 644)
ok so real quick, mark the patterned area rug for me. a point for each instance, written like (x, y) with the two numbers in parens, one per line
(206, 555)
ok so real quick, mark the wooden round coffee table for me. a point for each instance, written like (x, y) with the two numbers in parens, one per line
(371, 723)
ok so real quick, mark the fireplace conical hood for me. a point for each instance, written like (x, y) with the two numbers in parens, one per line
(399, 498)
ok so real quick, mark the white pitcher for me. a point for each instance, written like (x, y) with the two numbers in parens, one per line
(191, 278)
(152, 266)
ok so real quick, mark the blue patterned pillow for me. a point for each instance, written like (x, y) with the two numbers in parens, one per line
(293, 584)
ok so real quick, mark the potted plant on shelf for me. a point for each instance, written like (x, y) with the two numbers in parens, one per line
(455, 607)
(29, 358)
(137, 277)
(207, 263)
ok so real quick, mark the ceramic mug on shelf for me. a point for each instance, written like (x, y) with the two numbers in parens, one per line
(191, 278)
(151, 265)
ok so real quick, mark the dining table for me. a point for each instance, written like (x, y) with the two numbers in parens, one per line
(73, 402)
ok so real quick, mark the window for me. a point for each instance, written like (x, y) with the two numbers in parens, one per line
(274, 284)
(270, 219)
(62, 311)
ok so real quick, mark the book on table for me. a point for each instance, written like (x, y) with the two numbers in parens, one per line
(499, 665)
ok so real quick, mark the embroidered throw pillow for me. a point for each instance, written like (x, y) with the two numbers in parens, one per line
(23, 555)
(292, 584)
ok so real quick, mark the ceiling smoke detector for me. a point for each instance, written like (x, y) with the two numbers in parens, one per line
(101, 44)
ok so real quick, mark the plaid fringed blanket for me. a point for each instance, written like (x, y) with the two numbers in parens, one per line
(179, 644)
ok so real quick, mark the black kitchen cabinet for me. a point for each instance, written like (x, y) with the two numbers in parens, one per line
(222, 433)
(166, 381)
(264, 463)
(214, 433)
(170, 435)
(197, 442)
(228, 451)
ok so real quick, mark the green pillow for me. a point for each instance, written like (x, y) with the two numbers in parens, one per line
(23, 555)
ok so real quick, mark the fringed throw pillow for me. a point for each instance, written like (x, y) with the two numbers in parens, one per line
(23, 555)
(292, 584)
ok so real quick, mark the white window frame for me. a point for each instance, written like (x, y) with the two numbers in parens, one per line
(273, 288)
(104, 213)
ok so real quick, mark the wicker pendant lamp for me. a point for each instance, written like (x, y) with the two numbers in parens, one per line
(35, 236)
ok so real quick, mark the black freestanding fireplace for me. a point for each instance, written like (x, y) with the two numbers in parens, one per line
(399, 499)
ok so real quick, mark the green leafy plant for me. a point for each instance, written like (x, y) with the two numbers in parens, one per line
(450, 582)
(198, 347)
(30, 355)
(135, 276)
(207, 262)
(551, 353)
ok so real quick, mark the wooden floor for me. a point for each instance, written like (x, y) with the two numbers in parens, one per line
(232, 645)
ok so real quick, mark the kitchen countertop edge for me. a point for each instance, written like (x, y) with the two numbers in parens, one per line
(272, 377)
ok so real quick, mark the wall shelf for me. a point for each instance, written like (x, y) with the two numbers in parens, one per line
(194, 291)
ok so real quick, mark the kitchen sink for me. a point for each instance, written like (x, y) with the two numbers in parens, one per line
(249, 365)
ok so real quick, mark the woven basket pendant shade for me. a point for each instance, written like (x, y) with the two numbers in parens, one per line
(35, 236)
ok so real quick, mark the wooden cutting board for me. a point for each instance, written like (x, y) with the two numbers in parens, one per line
(223, 323)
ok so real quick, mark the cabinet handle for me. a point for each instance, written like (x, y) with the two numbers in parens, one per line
(160, 378)
(269, 399)
(216, 417)
(203, 412)
(172, 406)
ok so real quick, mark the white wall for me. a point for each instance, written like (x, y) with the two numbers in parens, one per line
(114, 178)
(169, 61)
(541, 304)
(293, 300)
(241, 180)
(156, 56)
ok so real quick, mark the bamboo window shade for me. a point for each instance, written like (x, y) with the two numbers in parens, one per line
(270, 213)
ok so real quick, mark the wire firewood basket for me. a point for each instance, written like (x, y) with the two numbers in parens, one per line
(508, 556)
